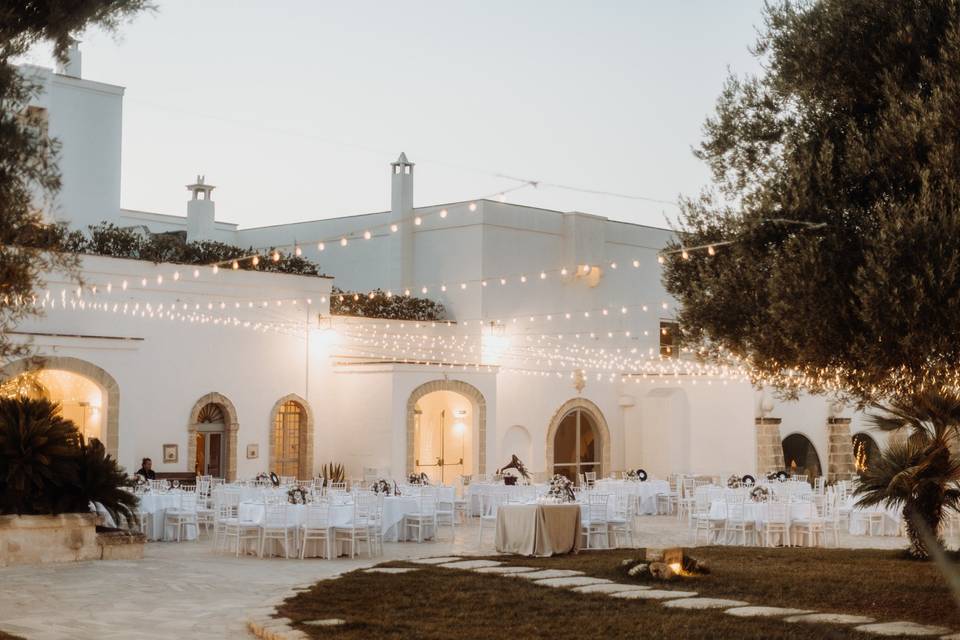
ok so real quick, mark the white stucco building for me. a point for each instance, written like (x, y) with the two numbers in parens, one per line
(558, 347)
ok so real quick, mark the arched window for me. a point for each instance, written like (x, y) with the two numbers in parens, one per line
(800, 456)
(865, 451)
(576, 447)
(288, 427)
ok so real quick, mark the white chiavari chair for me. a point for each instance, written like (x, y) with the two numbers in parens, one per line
(358, 530)
(738, 524)
(490, 502)
(776, 522)
(594, 520)
(425, 517)
(276, 525)
(316, 528)
(183, 516)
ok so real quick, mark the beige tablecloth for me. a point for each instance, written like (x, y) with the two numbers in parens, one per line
(538, 529)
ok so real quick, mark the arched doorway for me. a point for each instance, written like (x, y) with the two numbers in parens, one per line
(471, 447)
(291, 438)
(800, 456)
(88, 395)
(578, 440)
(212, 437)
(865, 451)
(443, 436)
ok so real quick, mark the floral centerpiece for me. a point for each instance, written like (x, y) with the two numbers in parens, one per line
(141, 482)
(637, 475)
(760, 493)
(262, 477)
(418, 479)
(778, 476)
(381, 486)
(297, 495)
(561, 489)
(734, 482)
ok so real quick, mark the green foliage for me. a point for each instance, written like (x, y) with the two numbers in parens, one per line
(107, 239)
(47, 468)
(29, 177)
(376, 304)
(851, 132)
(922, 472)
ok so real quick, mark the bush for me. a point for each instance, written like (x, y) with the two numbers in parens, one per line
(46, 467)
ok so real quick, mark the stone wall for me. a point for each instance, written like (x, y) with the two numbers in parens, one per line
(840, 463)
(69, 537)
(769, 445)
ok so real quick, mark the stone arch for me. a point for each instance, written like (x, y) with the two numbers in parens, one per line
(604, 431)
(110, 433)
(799, 448)
(306, 434)
(231, 426)
(480, 417)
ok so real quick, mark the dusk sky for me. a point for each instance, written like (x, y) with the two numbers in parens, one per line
(295, 109)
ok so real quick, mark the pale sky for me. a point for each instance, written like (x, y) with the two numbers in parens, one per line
(295, 109)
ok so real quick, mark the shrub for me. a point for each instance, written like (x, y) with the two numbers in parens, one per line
(46, 467)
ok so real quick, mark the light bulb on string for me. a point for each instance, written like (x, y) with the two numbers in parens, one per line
(367, 235)
(255, 260)
(321, 246)
(343, 242)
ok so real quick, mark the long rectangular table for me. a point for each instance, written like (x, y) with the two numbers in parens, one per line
(538, 529)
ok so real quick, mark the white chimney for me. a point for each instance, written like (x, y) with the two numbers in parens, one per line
(74, 62)
(401, 214)
(200, 211)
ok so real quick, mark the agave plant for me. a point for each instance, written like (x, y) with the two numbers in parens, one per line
(38, 456)
(922, 473)
(333, 473)
(100, 479)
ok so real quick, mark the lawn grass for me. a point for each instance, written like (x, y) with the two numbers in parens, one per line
(433, 604)
(883, 584)
(7, 636)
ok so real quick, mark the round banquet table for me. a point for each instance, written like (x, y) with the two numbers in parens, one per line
(757, 511)
(860, 519)
(646, 491)
(156, 504)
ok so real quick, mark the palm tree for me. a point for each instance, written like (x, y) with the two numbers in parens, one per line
(922, 472)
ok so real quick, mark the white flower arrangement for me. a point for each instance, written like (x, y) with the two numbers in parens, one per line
(561, 489)
(759, 493)
(297, 495)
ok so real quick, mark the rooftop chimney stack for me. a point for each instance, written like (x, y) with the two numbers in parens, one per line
(401, 215)
(200, 211)
(72, 66)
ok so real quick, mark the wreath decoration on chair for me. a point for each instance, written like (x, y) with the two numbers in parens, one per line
(274, 479)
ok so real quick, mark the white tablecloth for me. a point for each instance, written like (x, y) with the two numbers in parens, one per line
(757, 511)
(859, 519)
(646, 491)
(156, 504)
(473, 491)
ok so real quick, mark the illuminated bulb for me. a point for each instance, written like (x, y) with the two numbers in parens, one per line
(636, 264)
(463, 285)
(255, 261)
(623, 309)
(298, 251)
(664, 305)
(660, 259)
(613, 265)
(143, 282)
(343, 242)
(123, 285)
(417, 221)
(159, 279)
(685, 255)
(473, 206)
(389, 294)
(393, 228)
(443, 213)
(176, 275)
(406, 292)
(503, 281)
(235, 265)
(543, 275)
(356, 297)
(483, 283)
(711, 251)
(443, 287)
(109, 288)
(321, 246)
(216, 268)
(367, 235)
(523, 279)
(196, 273)
(423, 290)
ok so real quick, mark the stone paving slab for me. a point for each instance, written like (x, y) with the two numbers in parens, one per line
(435, 560)
(504, 570)
(703, 603)
(830, 618)
(326, 622)
(612, 587)
(390, 570)
(573, 581)
(902, 628)
(769, 612)
(547, 573)
(470, 564)
(653, 594)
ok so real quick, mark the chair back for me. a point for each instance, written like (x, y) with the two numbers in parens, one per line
(188, 501)
(597, 506)
(318, 516)
(275, 514)
(777, 512)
